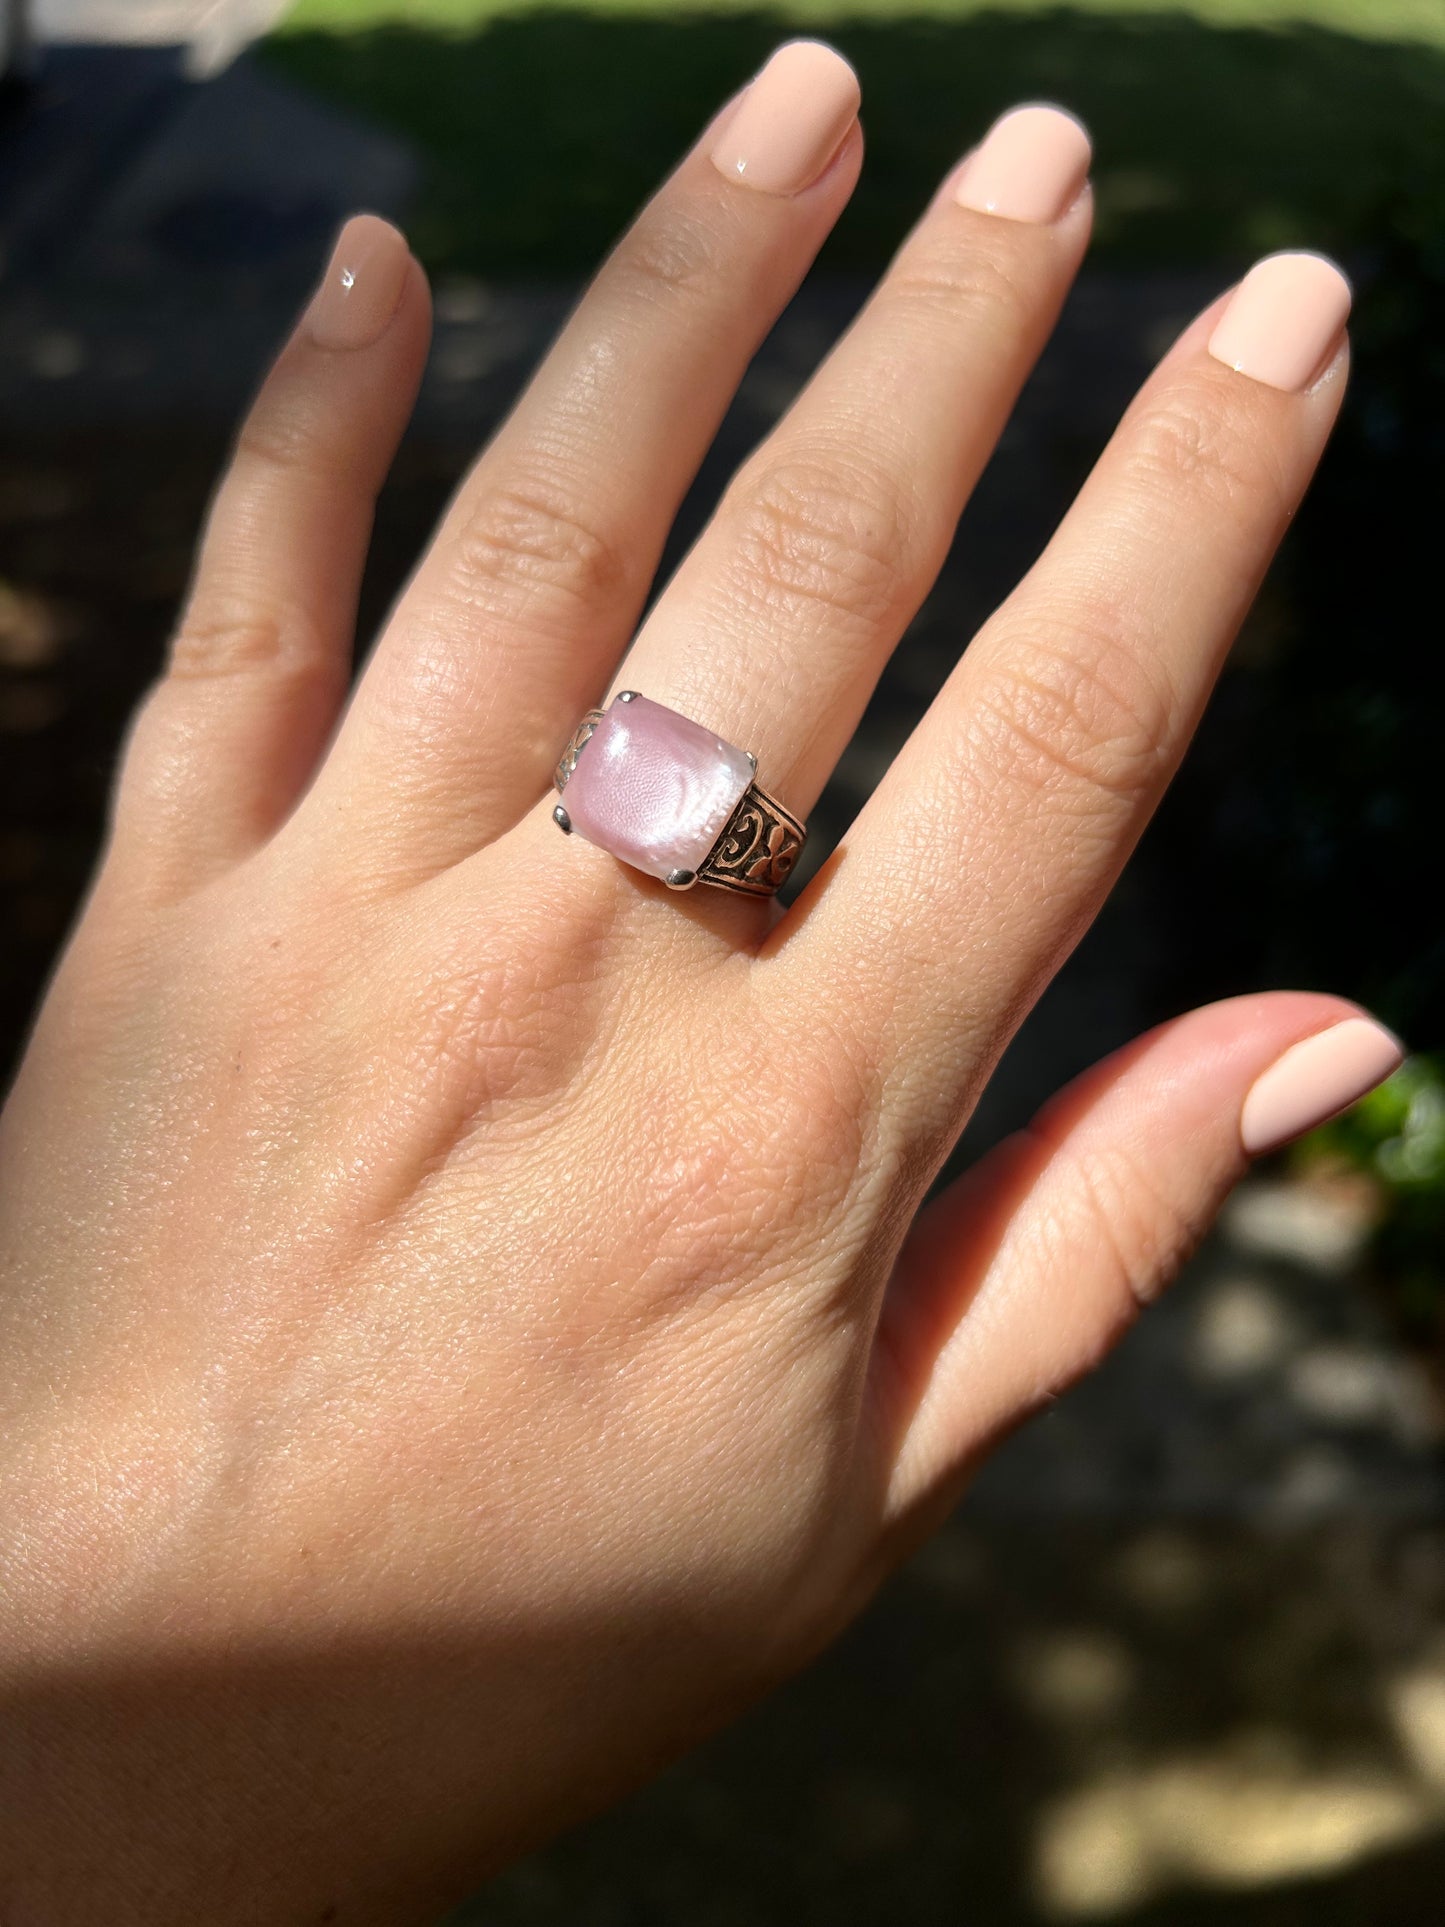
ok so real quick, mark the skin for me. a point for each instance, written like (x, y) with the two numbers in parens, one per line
(466, 1326)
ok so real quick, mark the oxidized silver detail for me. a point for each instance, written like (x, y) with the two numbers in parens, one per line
(758, 847)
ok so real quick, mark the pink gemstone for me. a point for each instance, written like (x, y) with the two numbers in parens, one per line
(654, 788)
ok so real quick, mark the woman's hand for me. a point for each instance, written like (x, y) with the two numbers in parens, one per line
(462, 1330)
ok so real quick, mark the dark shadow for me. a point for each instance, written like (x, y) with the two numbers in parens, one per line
(916, 1775)
(911, 1775)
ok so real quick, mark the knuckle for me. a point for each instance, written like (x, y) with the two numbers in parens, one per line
(1186, 444)
(817, 1115)
(982, 288)
(494, 1024)
(237, 636)
(669, 252)
(1144, 1234)
(284, 440)
(832, 534)
(1075, 706)
(530, 539)
(754, 1195)
(483, 1045)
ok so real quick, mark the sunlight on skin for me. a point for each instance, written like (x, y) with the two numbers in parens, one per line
(1368, 19)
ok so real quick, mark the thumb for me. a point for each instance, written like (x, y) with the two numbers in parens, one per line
(1020, 1276)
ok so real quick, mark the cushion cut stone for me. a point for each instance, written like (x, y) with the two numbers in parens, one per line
(654, 788)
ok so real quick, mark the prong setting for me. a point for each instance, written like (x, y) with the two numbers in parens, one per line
(627, 695)
(562, 820)
(680, 879)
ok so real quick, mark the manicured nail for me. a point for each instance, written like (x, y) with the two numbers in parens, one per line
(361, 288)
(1283, 320)
(1315, 1080)
(1030, 166)
(791, 121)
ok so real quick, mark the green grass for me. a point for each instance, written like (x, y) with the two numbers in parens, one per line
(1399, 20)
(1222, 128)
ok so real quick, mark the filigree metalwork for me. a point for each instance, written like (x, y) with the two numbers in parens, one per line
(757, 849)
(581, 735)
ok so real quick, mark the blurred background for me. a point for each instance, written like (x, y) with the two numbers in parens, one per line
(1180, 1658)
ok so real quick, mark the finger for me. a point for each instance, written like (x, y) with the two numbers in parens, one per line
(1020, 1277)
(982, 856)
(778, 623)
(261, 658)
(534, 583)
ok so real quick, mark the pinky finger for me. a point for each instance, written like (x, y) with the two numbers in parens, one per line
(1019, 1277)
(259, 665)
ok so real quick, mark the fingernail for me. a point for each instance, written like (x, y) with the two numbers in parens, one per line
(1315, 1080)
(361, 288)
(1030, 166)
(791, 121)
(1282, 320)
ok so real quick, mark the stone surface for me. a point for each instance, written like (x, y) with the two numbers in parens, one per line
(655, 788)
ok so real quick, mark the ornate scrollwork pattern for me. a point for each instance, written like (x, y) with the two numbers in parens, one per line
(581, 735)
(757, 849)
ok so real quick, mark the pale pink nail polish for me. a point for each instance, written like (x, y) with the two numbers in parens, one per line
(361, 288)
(654, 787)
(1283, 320)
(1030, 166)
(791, 121)
(1315, 1080)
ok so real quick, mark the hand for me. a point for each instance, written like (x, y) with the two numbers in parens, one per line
(463, 1331)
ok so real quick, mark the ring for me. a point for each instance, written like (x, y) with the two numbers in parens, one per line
(669, 797)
